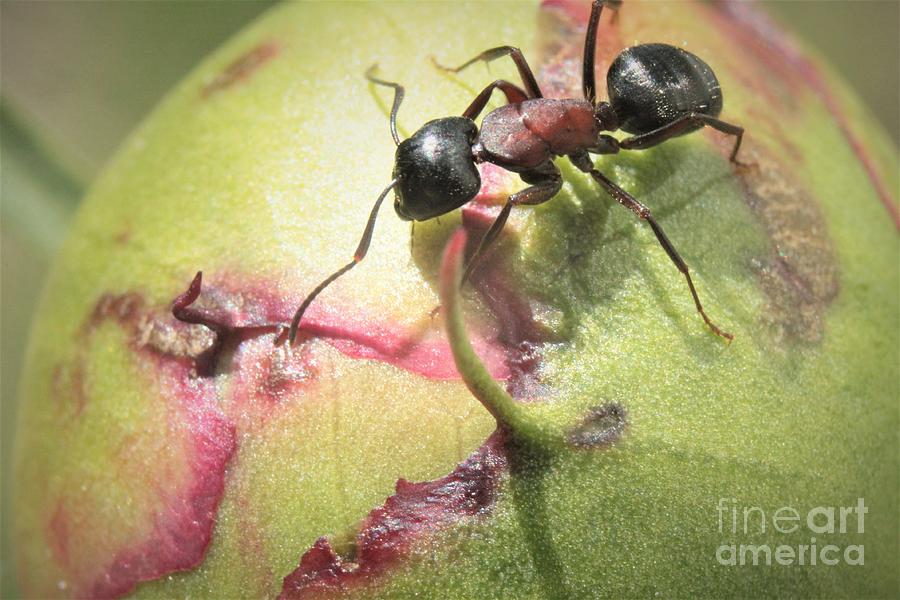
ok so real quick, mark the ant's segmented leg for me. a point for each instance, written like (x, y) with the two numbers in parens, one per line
(525, 73)
(588, 84)
(546, 182)
(399, 92)
(512, 92)
(684, 125)
(360, 254)
(631, 203)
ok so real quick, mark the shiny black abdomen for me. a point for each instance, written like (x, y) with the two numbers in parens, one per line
(653, 84)
(435, 169)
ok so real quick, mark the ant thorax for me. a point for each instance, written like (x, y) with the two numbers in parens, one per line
(527, 134)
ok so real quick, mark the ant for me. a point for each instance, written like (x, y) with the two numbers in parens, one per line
(656, 92)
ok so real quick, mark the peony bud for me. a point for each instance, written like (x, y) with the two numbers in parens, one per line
(167, 447)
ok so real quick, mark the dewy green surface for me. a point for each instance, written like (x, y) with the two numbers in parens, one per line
(268, 182)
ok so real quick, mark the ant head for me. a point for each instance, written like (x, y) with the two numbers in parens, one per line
(435, 169)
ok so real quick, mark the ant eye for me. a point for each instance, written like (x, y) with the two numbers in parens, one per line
(398, 207)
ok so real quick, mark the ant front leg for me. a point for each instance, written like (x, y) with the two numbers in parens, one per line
(681, 125)
(546, 182)
(632, 203)
(531, 86)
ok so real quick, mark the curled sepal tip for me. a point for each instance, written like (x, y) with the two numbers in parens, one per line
(510, 415)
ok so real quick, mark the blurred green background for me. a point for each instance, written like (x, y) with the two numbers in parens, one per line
(76, 77)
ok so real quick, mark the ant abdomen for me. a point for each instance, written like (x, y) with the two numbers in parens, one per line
(652, 85)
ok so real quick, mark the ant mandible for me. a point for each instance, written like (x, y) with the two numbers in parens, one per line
(656, 92)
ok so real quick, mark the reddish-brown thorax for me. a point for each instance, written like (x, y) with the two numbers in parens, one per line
(521, 136)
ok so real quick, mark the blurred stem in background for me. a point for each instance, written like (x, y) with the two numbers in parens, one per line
(78, 76)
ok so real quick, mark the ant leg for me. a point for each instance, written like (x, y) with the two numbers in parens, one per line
(590, 48)
(512, 92)
(683, 125)
(631, 203)
(546, 182)
(360, 254)
(525, 73)
(399, 92)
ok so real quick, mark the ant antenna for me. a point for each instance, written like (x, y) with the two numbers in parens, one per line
(399, 92)
(357, 257)
(363, 247)
(590, 48)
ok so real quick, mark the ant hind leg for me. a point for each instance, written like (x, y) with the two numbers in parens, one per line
(682, 125)
(588, 85)
(634, 205)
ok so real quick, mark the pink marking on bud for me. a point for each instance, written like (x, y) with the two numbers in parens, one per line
(183, 516)
(260, 310)
(182, 530)
(242, 68)
(390, 533)
(58, 533)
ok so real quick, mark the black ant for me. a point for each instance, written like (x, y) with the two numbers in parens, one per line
(656, 92)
